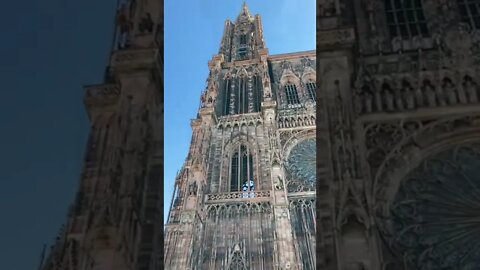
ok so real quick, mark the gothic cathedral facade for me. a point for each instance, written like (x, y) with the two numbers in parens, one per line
(113, 223)
(245, 197)
(399, 118)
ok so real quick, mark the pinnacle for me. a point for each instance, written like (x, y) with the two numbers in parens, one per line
(245, 11)
(244, 6)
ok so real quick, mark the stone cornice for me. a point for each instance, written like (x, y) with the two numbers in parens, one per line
(101, 95)
(295, 55)
(135, 59)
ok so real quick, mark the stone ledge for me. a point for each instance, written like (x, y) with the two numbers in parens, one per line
(101, 95)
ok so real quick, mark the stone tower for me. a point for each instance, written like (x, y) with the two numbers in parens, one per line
(245, 197)
(399, 97)
(115, 219)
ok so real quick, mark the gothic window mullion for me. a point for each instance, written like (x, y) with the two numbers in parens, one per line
(405, 18)
(311, 90)
(245, 96)
(239, 95)
(248, 166)
(226, 97)
(239, 184)
(232, 97)
(250, 95)
(291, 94)
(467, 8)
(258, 92)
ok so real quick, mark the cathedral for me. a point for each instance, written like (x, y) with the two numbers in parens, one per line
(245, 197)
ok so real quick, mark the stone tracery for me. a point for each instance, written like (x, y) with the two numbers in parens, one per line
(434, 220)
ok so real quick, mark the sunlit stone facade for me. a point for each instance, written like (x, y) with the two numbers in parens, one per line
(245, 197)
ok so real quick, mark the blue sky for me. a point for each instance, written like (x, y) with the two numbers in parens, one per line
(193, 31)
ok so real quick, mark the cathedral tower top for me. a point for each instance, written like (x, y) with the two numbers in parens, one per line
(243, 38)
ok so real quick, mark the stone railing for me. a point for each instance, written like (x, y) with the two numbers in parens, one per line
(289, 121)
(242, 195)
(230, 121)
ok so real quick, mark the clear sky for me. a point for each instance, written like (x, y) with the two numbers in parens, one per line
(193, 31)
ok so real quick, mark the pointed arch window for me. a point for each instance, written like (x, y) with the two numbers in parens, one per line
(291, 94)
(242, 95)
(227, 96)
(237, 262)
(405, 18)
(312, 90)
(470, 12)
(241, 169)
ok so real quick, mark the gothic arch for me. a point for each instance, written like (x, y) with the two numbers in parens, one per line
(309, 75)
(229, 150)
(295, 138)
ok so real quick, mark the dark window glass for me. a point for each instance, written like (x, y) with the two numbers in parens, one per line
(413, 29)
(469, 12)
(390, 17)
(410, 16)
(393, 30)
(404, 18)
(311, 89)
(407, 3)
(291, 94)
(234, 185)
(403, 30)
(424, 29)
(473, 9)
(463, 10)
(241, 168)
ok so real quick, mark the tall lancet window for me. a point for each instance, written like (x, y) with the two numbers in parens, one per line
(291, 94)
(312, 90)
(257, 93)
(226, 97)
(241, 169)
(242, 47)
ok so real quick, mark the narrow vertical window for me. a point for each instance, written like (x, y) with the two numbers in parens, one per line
(257, 93)
(470, 12)
(226, 99)
(291, 94)
(234, 184)
(405, 18)
(241, 170)
(312, 90)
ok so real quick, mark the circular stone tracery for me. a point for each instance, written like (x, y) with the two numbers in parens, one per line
(301, 162)
(435, 217)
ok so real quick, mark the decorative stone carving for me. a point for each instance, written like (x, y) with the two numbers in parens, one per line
(433, 224)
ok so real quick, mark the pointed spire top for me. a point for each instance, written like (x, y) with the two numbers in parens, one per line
(244, 6)
(245, 13)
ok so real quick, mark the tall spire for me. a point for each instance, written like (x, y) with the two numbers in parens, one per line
(245, 13)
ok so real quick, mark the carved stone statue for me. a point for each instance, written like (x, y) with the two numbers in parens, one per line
(124, 24)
